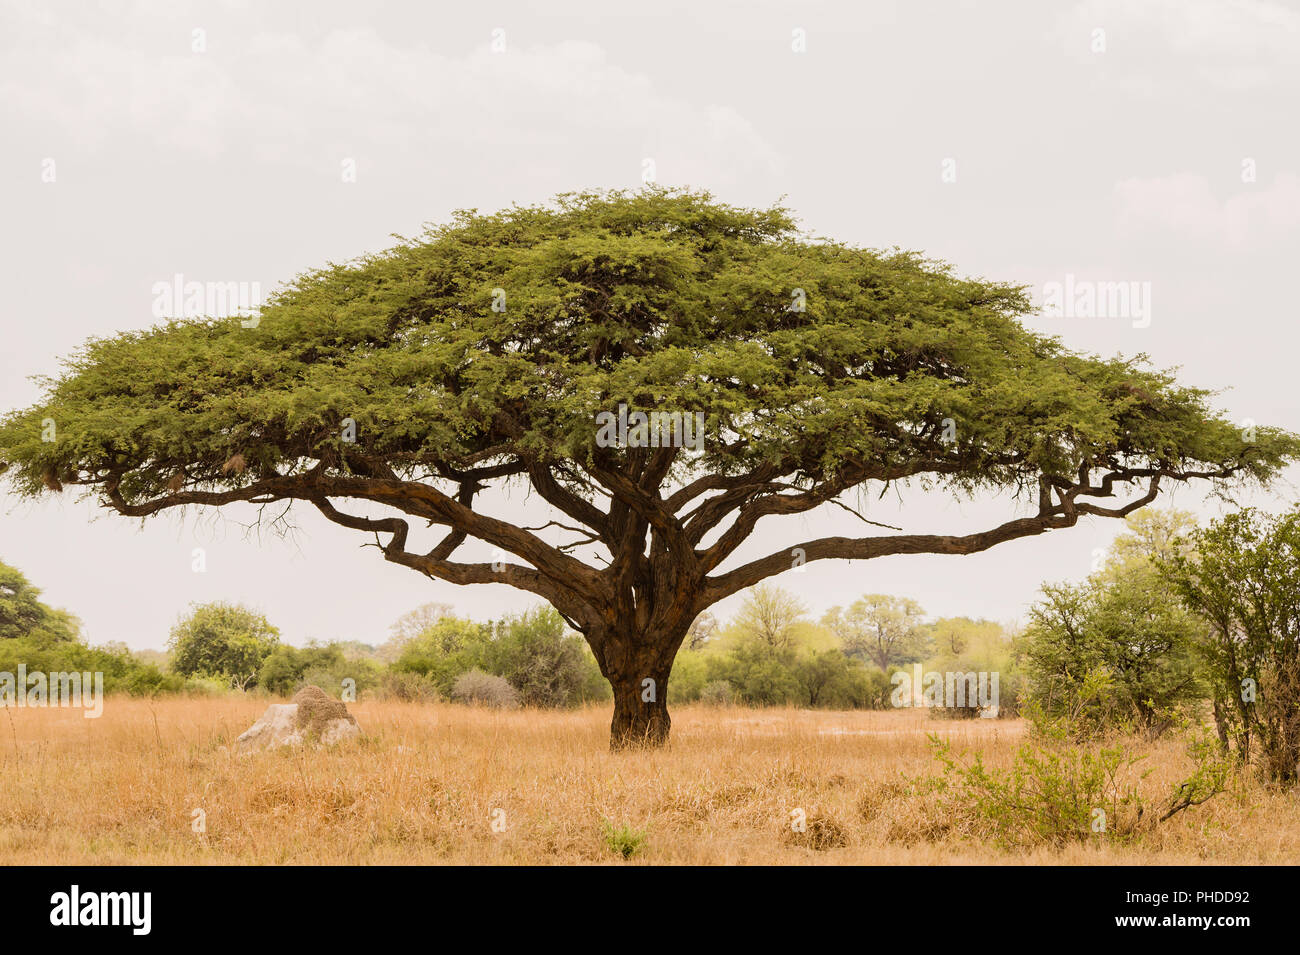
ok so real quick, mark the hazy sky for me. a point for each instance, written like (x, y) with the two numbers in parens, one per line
(1150, 143)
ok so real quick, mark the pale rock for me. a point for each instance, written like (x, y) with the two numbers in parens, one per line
(313, 716)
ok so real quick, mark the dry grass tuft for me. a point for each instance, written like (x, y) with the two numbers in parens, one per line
(820, 832)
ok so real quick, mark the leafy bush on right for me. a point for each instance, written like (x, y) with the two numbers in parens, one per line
(1242, 577)
(1126, 621)
(1059, 791)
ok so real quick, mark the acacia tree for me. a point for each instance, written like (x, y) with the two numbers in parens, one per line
(390, 392)
(771, 616)
(883, 629)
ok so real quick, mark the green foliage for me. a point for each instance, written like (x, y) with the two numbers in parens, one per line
(405, 687)
(659, 294)
(717, 693)
(755, 673)
(356, 650)
(1242, 578)
(1152, 535)
(287, 669)
(159, 658)
(762, 675)
(546, 663)
(961, 638)
(1126, 626)
(822, 677)
(409, 626)
(876, 689)
(623, 840)
(282, 670)
(23, 615)
(689, 677)
(209, 686)
(771, 655)
(222, 640)
(352, 676)
(443, 651)
(830, 680)
(770, 615)
(533, 651)
(881, 629)
(122, 672)
(964, 645)
(1051, 795)
(1059, 792)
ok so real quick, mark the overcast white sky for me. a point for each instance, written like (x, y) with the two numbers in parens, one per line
(1116, 156)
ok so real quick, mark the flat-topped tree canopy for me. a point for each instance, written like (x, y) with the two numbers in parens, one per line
(485, 351)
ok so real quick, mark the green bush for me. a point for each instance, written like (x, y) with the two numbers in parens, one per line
(287, 669)
(718, 693)
(1051, 795)
(1126, 621)
(549, 665)
(207, 686)
(1242, 577)
(689, 677)
(871, 689)
(1059, 792)
(122, 672)
(623, 840)
(444, 650)
(148, 680)
(761, 674)
(406, 687)
(1011, 695)
(533, 651)
(224, 640)
(757, 673)
(831, 680)
(282, 671)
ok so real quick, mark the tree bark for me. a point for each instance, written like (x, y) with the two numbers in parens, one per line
(637, 667)
(640, 713)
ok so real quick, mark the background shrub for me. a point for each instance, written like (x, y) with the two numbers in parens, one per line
(484, 689)
(223, 640)
(718, 693)
(406, 687)
(546, 663)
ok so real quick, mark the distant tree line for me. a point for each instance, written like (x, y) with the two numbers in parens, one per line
(1179, 625)
(48, 640)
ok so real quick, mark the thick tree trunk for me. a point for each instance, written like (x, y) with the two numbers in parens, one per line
(635, 648)
(635, 668)
(640, 711)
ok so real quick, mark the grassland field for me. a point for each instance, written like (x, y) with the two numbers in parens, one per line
(157, 781)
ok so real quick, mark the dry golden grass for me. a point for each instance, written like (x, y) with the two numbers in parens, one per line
(423, 785)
